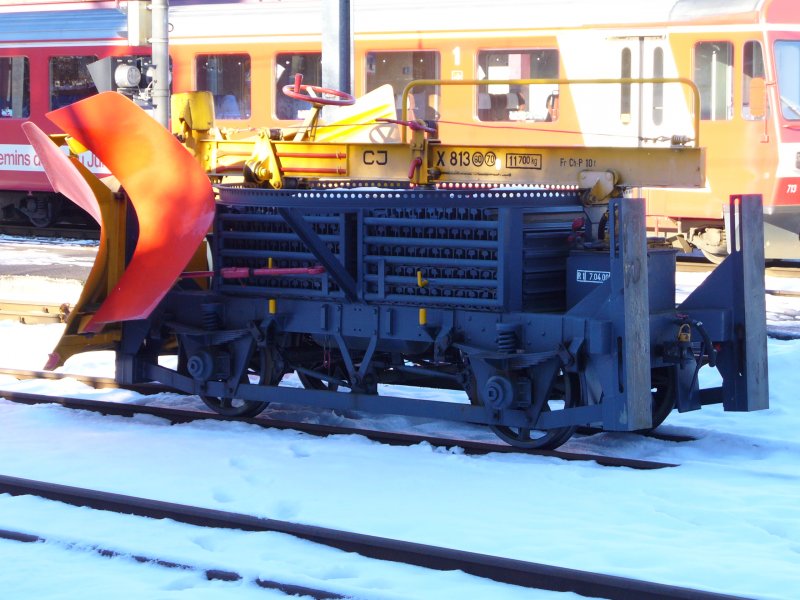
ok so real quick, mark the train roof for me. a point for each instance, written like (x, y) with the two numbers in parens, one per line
(590, 12)
(539, 14)
(41, 22)
(281, 17)
(63, 25)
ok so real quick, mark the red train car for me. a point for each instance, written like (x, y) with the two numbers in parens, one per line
(44, 50)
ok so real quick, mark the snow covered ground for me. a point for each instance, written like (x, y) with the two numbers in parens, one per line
(726, 520)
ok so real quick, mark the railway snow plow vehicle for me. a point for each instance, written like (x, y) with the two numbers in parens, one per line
(521, 276)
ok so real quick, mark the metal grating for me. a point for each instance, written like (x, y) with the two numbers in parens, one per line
(456, 251)
(505, 251)
(250, 236)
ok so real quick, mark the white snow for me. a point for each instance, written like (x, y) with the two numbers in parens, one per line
(726, 520)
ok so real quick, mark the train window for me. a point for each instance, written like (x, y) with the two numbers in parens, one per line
(787, 61)
(753, 108)
(70, 80)
(227, 77)
(658, 88)
(307, 64)
(15, 87)
(625, 88)
(713, 75)
(398, 69)
(512, 102)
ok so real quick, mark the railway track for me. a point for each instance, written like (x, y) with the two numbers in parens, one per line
(34, 312)
(158, 388)
(210, 574)
(176, 416)
(785, 293)
(76, 232)
(783, 269)
(504, 570)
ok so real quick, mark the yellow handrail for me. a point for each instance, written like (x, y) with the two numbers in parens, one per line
(606, 81)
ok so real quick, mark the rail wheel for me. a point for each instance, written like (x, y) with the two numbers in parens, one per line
(42, 212)
(663, 391)
(712, 257)
(712, 243)
(236, 407)
(564, 393)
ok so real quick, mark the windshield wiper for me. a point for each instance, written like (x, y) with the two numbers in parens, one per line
(794, 107)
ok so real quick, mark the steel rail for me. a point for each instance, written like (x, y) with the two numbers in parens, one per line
(496, 568)
(91, 380)
(210, 574)
(781, 269)
(28, 313)
(158, 388)
(384, 437)
(784, 293)
(31, 231)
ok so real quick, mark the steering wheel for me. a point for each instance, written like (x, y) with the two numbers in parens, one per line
(314, 93)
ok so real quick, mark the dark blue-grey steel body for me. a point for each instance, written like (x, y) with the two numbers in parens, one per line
(492, 292)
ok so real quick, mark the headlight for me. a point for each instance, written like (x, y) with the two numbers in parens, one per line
(127, 76)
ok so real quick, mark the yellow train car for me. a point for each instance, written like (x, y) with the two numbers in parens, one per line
(743, 56)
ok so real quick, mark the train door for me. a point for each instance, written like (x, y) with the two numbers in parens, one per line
(641, 106)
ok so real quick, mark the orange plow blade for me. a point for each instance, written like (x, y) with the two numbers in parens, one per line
(169, 191)
(63, 176)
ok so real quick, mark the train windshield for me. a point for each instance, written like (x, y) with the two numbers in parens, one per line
(787, 60)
